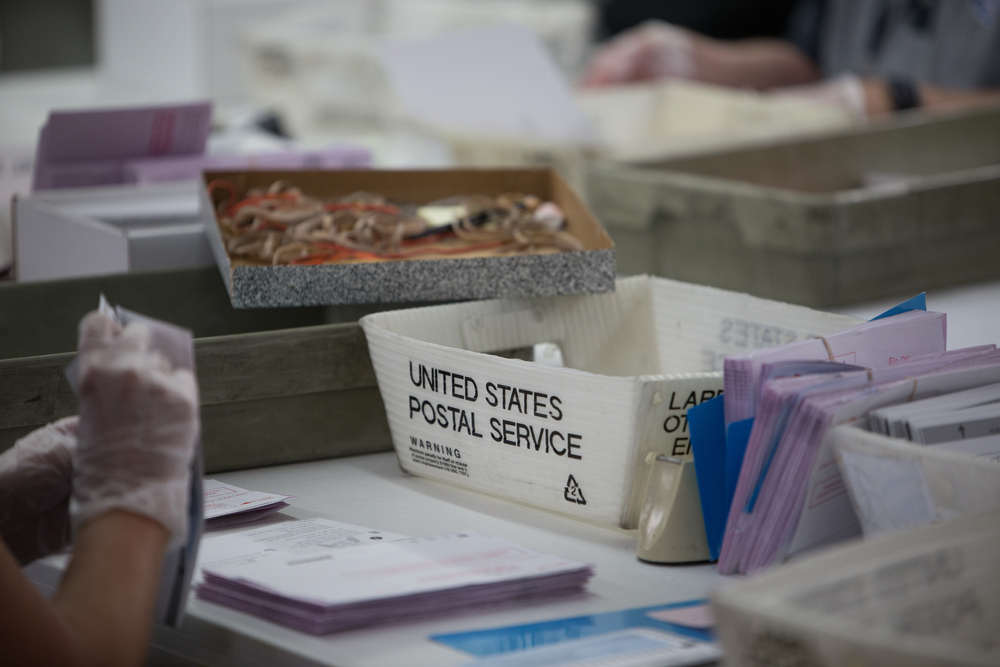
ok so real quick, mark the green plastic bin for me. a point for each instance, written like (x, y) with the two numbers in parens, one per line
(278, 385)
(843, 218)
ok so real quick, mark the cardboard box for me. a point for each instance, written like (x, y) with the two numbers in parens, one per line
(255, 285)
(900, 484)
(571, 439)
(917, 598)
(102, 230)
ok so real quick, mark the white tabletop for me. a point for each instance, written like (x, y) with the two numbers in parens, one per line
(372, 491)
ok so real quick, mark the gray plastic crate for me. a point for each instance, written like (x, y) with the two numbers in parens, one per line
(839, 219)
(277, 385)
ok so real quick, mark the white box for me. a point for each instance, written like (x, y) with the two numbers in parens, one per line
(915, 598)
(184, 49)
(576, 437)
(643, 122)
(654, 121)
(900, 484)
(320, 65)
(102, 230)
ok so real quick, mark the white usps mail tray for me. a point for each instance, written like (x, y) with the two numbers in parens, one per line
(568, 439)
(925, 597)
(896, 483)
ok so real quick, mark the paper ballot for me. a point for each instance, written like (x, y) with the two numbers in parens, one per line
(318, 589)
(289, 539)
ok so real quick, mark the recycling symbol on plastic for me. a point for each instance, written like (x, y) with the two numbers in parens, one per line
(573, 493)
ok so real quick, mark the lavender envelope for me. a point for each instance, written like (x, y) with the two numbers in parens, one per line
(82, 148)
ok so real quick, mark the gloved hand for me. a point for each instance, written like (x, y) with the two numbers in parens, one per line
(35, 479)
(846, 91)
(653, 50)
(138, 427)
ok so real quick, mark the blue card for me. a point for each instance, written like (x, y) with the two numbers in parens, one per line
(919, 302)
(708, 445)
(519, 637)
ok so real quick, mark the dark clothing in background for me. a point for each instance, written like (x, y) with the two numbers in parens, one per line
(953, 43)
(722, 19)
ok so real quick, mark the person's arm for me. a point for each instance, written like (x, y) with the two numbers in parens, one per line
(762, 63)
(36, 478)
(658, 50)
(130, 463)
(102, 612)
(878, 97)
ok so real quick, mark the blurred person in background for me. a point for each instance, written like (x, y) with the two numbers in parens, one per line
(870, 56)
(721, 19)
(116, 481)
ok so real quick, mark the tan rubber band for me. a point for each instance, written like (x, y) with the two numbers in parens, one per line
(871, 376)
(914, 392)
(829, 350)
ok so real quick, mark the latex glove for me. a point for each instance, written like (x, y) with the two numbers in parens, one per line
(36, 475)
(653, 50)
(138, 427)
(846, 91)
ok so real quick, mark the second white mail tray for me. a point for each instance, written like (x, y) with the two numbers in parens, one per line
(108, 229)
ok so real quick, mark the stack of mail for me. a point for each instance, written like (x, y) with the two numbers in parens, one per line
(96, 147)
(875, 344)
(790, 495)
(388, 582)
(966, 421)
(229, 505)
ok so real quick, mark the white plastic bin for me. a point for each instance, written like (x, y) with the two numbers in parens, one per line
(639, 122)
(900, 484)
(571, 439)
(110, 229)
(649, 121)
(926, 597)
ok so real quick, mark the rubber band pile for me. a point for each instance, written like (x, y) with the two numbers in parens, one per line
(282, 225)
